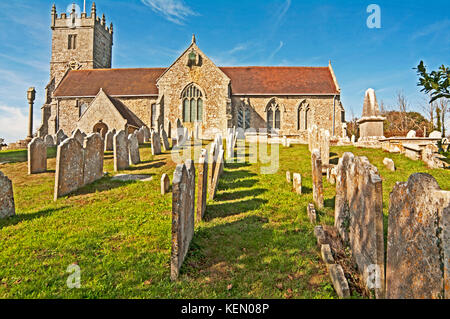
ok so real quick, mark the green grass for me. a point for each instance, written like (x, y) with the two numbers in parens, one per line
(256, 240)
(17, 156)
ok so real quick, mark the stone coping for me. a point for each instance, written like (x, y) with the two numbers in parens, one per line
(412, 139)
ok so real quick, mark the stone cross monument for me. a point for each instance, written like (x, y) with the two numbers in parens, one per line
(31, 95)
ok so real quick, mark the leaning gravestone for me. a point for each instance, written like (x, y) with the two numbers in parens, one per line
(156, 143)
(316, 163)
(69, 167)
(133, 148)
(297, 183)
(109, 141)
(165, 184)
(93, 158)
(164, 138)
(121, 157)
(418, 247)
(183, 218)
(202, 185)
(37, 156)
(359, 217)
(7, 206)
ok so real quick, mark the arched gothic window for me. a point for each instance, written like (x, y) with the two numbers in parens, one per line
(244, 117)
(192, 98)
(302, 116)
(273, 115)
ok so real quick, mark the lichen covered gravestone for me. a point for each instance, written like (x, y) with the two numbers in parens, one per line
(359, 217)
(69, 167)
(164, 138)
(202, 185)
(93, 158)
(418, 244)
(389, 163)
(78, 135)
(37, 156)
(316, 163)
(133, 149)
(217, 172)
(109, 141)
(156, 143)
(49, 141)
(183, 218)
(7, 206)
(121, 157)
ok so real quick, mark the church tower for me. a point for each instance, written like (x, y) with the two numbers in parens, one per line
(79, 41)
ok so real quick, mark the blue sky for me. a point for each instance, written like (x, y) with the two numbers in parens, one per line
(151, 33)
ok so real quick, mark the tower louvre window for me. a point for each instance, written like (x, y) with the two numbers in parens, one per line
(72, 42)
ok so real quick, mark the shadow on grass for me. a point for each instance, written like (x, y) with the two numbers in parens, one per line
(11, 221)
(139, 167)
(306, 190)
(103, 185)
(225, 196)
(329, 202)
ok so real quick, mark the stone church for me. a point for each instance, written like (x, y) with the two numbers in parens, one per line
(85, 92)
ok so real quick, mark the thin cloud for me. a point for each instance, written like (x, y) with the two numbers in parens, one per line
(13, 123)
(280, 46)
(173, 10)
(432, 29)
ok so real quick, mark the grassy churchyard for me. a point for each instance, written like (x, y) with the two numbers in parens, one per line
(256, 240)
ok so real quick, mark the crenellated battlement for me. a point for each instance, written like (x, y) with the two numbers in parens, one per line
(75, 20)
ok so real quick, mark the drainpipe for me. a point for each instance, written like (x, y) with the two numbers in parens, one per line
(334, 114)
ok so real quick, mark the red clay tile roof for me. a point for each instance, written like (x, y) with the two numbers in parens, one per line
(115, 82)
(280, 80)
(244, 81)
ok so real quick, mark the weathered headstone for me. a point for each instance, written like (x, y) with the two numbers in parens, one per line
(49, 141)
(133, 148)
(156, 143)
(78, 135)
(109, 141)
(121, 156)
(411, 134)
(60, 137)
(7, 206)
(164, 138)
(435, 134)
(183, 218)
(93, 158)
(146, 131)
(217, 170)
(288, 177)
(418, 242)
(202, 185)
(190, 167)
(69, 167)
(312, 215)
(297, 183)
(325, 147)
(165, 184)
(359, 217)
(140, 135)
(37, 156)
(316, 163)
(389, 163)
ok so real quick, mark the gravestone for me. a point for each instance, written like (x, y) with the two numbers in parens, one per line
(164, 138)
(213, 160)
(78, 135)
(165, 184)
(37, 156)
(69, 167)
(121, 156)
(49, 141)
(312, 215)
(316, 163)
(389, 163)
(156, 143)
(133, 148)
(411, 134)
(7, 206)
(140, 136)
(288, 177)
(297, 182)
(93, 158)
(190, 167)
(435, 134)
(146, 131)
(202, 185)
(418, 241)
(216, 177)
(183, 218)
(359, 217)
(109, 141)
(60, 137)
(325, 147)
